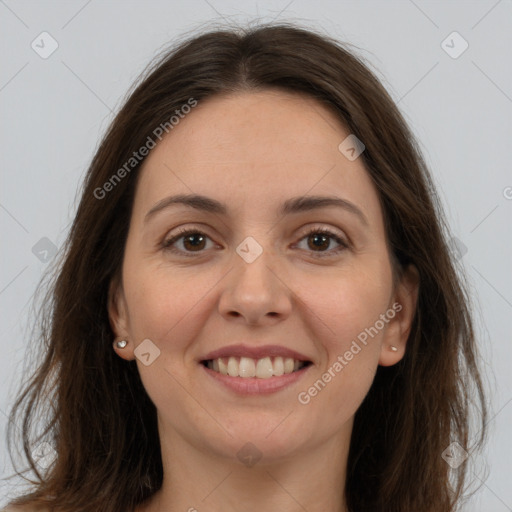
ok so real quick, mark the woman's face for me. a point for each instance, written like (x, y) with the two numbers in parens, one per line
(268, 279)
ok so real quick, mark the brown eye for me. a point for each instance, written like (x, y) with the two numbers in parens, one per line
(194, 242)
(187, 241)
(319, 241)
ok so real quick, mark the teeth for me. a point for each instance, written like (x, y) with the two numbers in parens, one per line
(233, 367)
(261, 368)
(247, 368)
(288, 365)
(223, 367)
(264, 368)
(278, 366)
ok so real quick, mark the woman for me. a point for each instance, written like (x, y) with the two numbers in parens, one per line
(257, 306)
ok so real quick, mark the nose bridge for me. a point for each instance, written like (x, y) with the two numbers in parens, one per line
(253, 272)
(254, 290)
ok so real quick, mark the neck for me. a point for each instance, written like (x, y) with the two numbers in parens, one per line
(197, 481)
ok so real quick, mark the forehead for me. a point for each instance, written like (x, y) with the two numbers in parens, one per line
(256, 148)
(254, 126)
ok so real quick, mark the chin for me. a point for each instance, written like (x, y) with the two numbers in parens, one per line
(268, 439)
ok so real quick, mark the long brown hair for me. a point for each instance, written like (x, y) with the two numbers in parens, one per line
(100, 421)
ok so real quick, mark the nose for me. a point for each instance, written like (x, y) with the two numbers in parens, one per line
(256, 293)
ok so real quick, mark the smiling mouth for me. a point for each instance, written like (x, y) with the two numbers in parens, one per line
(247, 367)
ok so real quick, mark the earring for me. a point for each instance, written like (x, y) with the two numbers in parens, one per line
(393, 348)
(121, 344)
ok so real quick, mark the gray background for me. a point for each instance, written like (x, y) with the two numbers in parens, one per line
(55, 110)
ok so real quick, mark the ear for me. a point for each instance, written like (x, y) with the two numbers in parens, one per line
(119, 319)
(404, 306)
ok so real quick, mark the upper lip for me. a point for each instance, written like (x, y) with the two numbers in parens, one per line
(258, 352)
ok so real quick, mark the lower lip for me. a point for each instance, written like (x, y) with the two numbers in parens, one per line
(255, 386)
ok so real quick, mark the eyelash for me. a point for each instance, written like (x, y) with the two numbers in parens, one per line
(343, 245)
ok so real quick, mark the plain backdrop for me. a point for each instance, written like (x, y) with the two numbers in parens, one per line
(455, 91)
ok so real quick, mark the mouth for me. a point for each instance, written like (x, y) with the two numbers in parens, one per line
(254, 370)
(250, 368)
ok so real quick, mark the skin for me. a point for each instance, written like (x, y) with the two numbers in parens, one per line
(252, 151)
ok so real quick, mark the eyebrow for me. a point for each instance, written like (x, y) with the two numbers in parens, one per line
(294, 205)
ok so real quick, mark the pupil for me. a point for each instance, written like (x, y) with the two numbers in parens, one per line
(189, 240)
(321, 238)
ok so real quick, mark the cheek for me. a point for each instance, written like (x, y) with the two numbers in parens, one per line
(348, 304)
(167, 307)
(348, 313)
(172, 308)
(162, 302)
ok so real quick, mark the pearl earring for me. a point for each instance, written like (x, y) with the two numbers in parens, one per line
(121, 344)
(393, 348)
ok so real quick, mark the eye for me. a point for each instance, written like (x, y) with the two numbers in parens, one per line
(191, 241)
(319, 240)
(195, 241)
